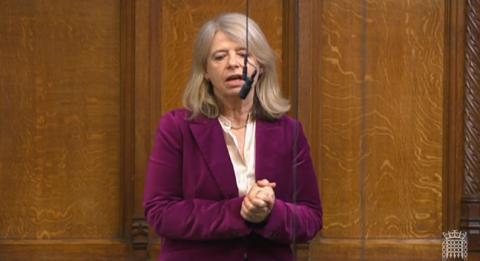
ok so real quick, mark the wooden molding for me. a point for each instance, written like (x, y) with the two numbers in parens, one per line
(64, 249)
(127, 108)
(290, 55)
(470, 218)
(472, 94)
(454, 104)
(290, 77)
(139, 234)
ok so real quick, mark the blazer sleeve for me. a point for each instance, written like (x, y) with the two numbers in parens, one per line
(173, 216)
(300, 221)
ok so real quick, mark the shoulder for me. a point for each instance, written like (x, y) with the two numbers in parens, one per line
(174, 118)
(284, 128)
(181, 120)
(173, 122)
(292, 127)
(287, 122)
(178, 115)
(172, 128)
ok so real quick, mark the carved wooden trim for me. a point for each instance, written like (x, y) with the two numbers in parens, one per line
(472, 99)
(145, 111)
(139, 234)
(148, 58)
(470, 220)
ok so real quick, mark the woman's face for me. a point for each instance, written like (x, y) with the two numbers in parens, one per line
(225, 65)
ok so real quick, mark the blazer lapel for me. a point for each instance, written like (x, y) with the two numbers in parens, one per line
(265, 146)
(209, 137)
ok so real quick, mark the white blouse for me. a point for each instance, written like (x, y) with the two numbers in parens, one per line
(244, 169)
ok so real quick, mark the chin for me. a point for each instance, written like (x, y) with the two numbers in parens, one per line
(234, 92)
(234, 86)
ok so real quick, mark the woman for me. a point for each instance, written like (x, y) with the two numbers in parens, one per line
(231, 179)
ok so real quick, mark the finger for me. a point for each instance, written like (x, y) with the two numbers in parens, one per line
(269, 203)
(265, 197)
(263, 182)
(265, 192)
(268, 196)
(258, 203)
(248, 216)
(253, 205)
(252, 216)
(244, 211)
(253, 189)
(247, 203)
(266, 183)
(258, 210)
(251, 208)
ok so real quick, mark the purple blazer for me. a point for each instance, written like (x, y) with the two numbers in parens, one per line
(191, 198)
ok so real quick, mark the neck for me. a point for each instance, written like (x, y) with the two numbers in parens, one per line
(237, 116)
(237, 113)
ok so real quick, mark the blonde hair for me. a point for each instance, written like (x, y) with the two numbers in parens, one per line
(198, 96)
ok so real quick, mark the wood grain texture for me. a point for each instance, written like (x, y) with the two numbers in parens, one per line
(371, 96)
(59, 101)
(290, 49)
(61, 250)
(404, 118)
(377, 250)
(332, 90)
(69, 70)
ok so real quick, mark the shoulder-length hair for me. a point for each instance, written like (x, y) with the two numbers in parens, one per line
(198, 97)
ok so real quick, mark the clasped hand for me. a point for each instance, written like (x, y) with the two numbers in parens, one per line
(259, 201)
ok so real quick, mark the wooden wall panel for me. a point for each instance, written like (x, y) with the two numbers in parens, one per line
(60, 128)
(83, 84)
(180, 22)
(326, 102)
(403, 114)
(371, 97)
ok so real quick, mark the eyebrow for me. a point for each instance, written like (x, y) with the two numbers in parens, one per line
(226, 50)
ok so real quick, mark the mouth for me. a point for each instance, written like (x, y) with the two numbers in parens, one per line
(234, 77)
(235, 80)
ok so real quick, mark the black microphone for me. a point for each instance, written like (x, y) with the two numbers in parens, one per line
(247, 86)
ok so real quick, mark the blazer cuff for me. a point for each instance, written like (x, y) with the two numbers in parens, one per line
(241, 227)
(271, 227)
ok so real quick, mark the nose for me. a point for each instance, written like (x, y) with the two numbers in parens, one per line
(233, 61)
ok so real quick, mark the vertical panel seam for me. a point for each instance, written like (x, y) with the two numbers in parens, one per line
(363, 86)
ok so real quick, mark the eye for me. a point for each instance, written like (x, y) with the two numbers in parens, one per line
(243, 54)
(218, 57)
